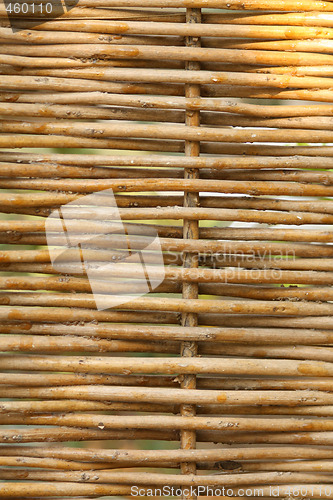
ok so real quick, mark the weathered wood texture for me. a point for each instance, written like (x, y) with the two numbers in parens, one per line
(212, 123)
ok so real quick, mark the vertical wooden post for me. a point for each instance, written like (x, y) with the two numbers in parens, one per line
(190, 260)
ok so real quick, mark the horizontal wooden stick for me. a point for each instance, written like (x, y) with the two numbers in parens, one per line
(139, 457)
(32, 407)
(217, 214)
(213, 163)
(73, 111)
(48, 463)
(232, 424)
(82, 285)
(94, 364)
(243, 18)
(87, 302)
(174, 333)
(146, 478)
(159, 28)
(163, 102)
(202, 275)
(152, 184)
(286, 5)
(176, 132)
(30, 343)
(174, 76)
(48, 380)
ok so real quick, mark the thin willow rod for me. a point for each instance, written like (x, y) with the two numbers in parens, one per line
(313, 46)
(9, 82)
(37, 407)
(61, 141)
(242, 321)
(225, 320)
(320, 212)
(268, 293)
(246, 234)
(246, 291)
(96, 38)
(163, 131)
(153, 422)
(220, 88)
(144, 478)
(31, 407)
(48, 463)
(168, 395)
(301, 70)
(285, 5)
(29, 82)
(163, 102)
(179, 76)
(30, 343)
(267, 263)
(64, 434)
(319, 438)
(161, 28)
(9, 141)
(137, 457)
(17, 379)
(29, 489)
(313, 466)
(218, 214)
(163, 161)
(268, 384)
(156, 184)
(287, 174)
(203, 246)
(298, 352)
(73, 434)
(319, 71)
(231, 233)
(81, 112)
(34, 380)
(233, 424)
(95, 364)
(83, 285)
(240, 91)
(61, 62)
(171, 333)
(150, 304)
(319, 123)
(290, 18)
(37, 170)
(48, 199)
(59, 171)
(151, 317)
(116, 14)
(252, 150)
(273, 19)
(233, 275)
(74, 112)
